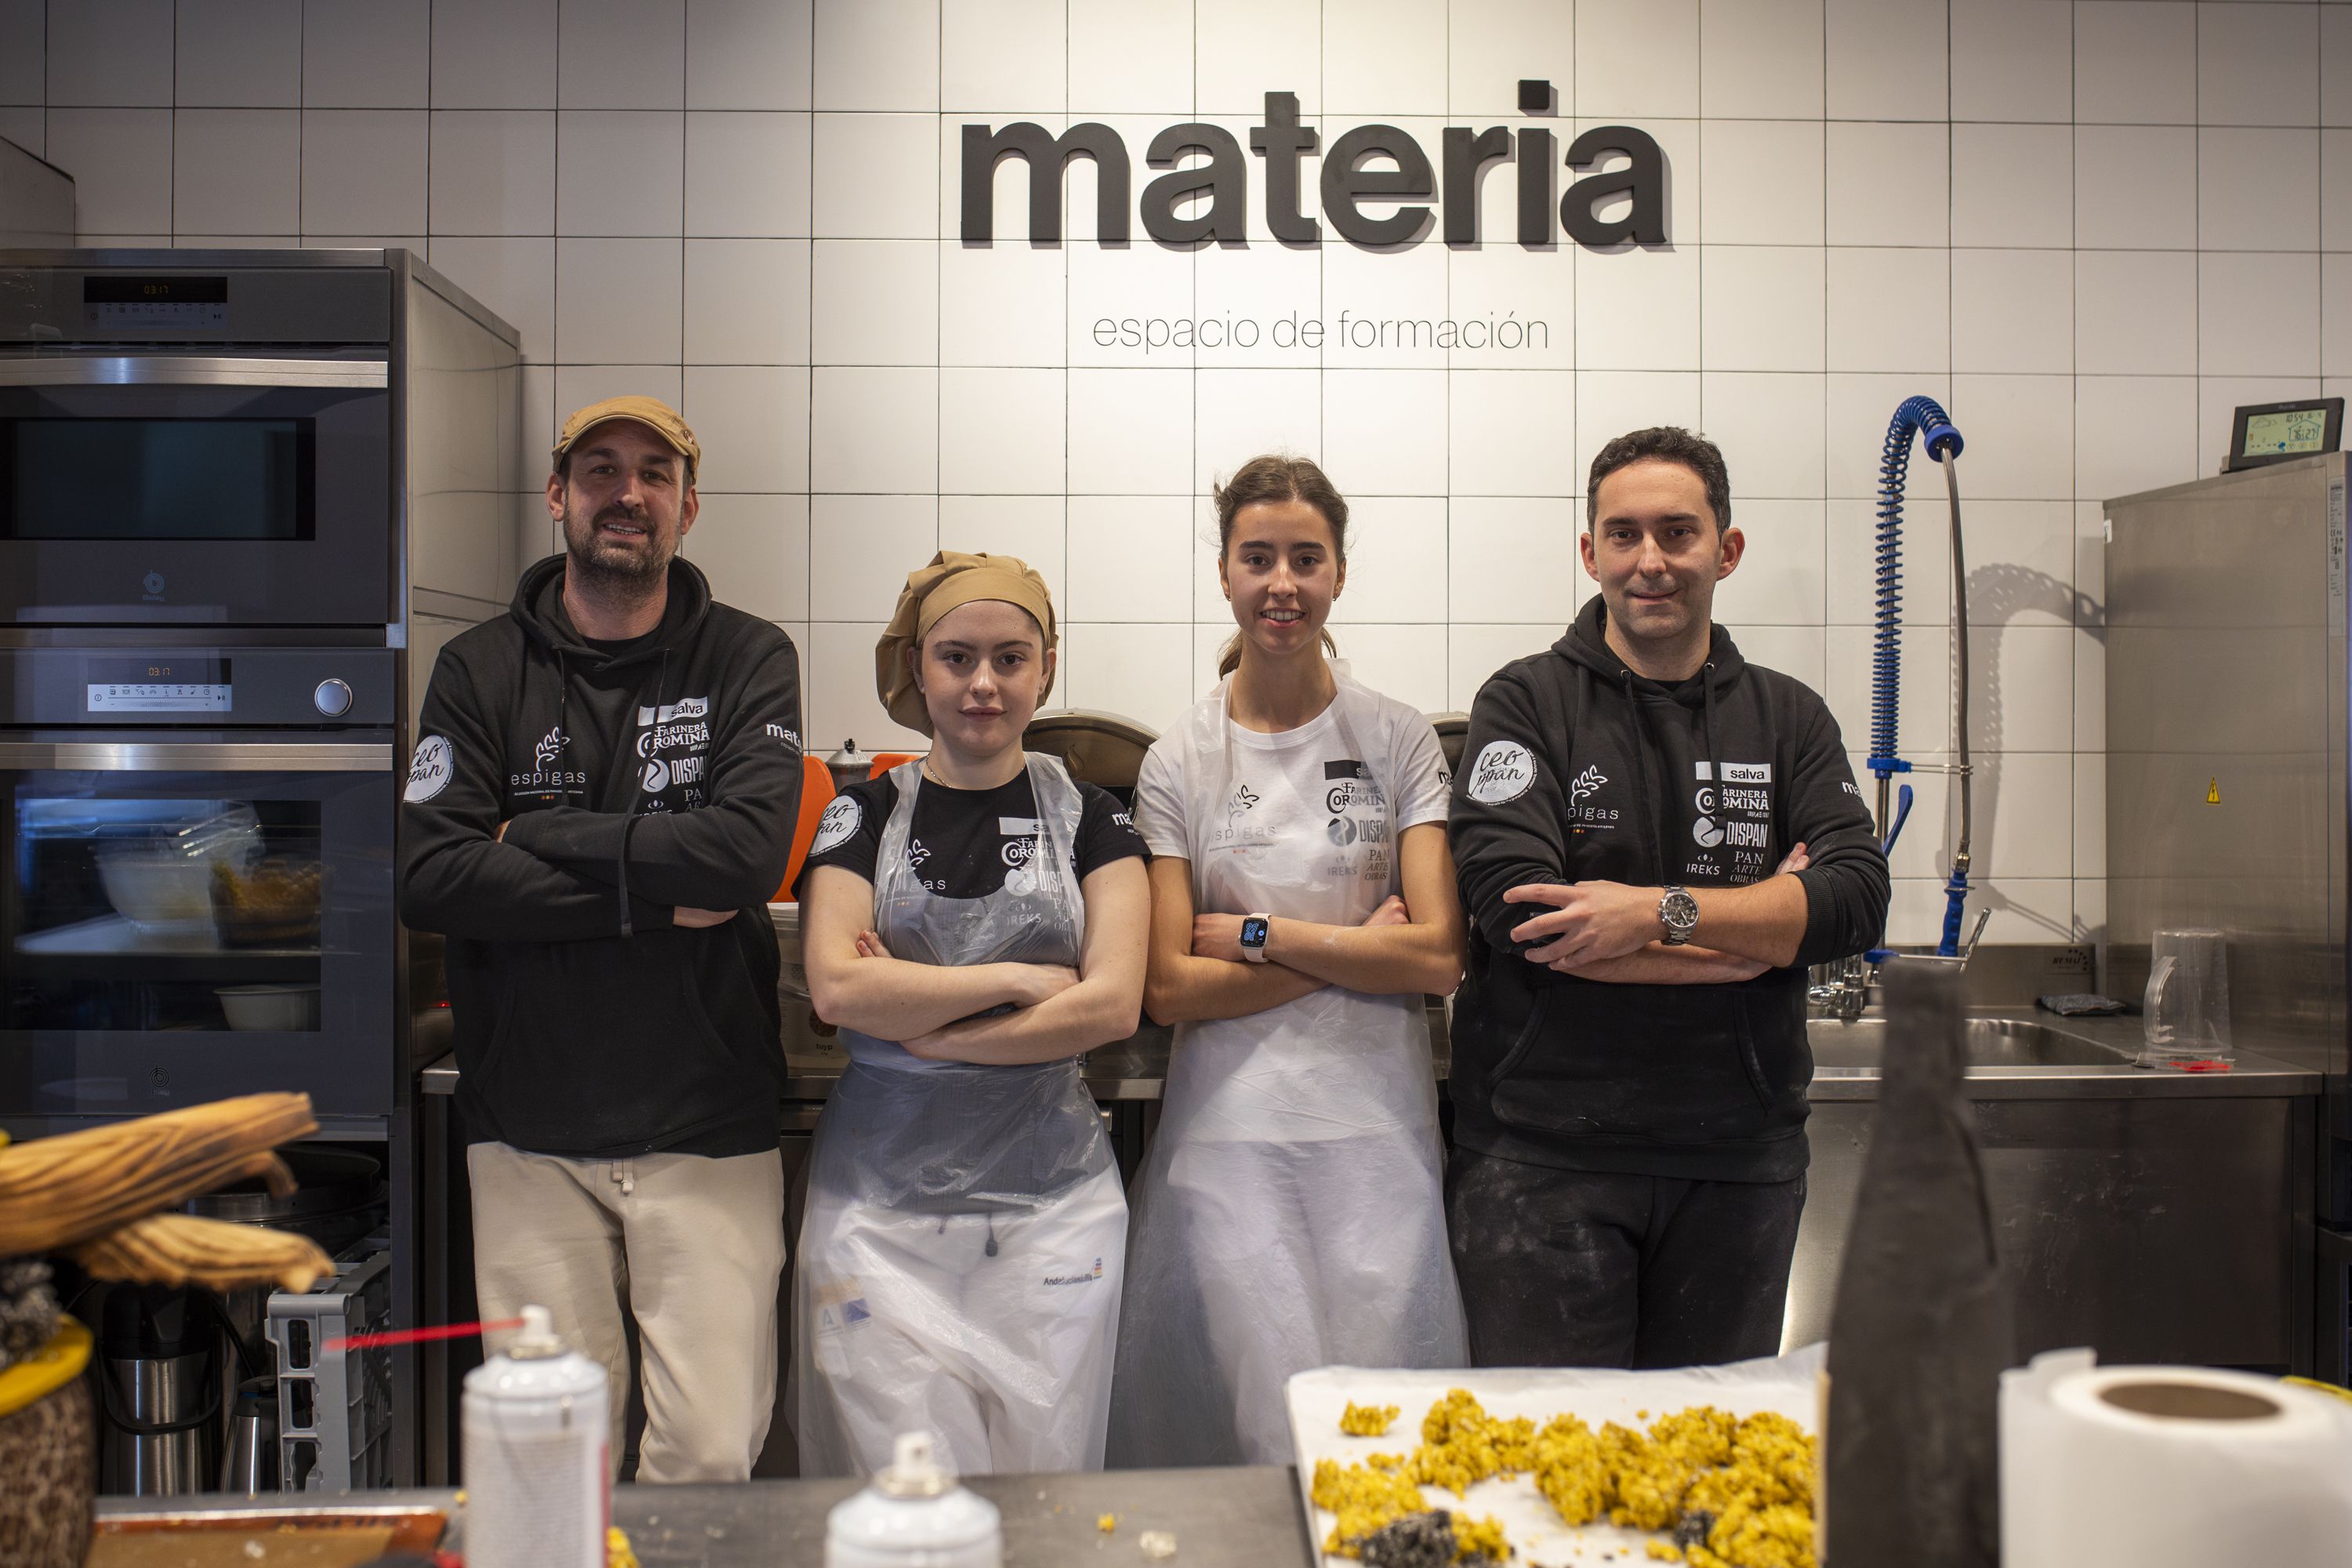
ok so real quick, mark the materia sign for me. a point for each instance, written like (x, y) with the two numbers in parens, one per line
(1348, 179)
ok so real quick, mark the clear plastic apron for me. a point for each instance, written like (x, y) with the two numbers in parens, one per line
(902, 1132)
(1289, 1215)
(961, 1257)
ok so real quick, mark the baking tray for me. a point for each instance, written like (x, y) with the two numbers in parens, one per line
(1782, 1384)
(295, 1537)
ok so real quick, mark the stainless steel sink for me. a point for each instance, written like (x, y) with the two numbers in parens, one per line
(1991, 1043)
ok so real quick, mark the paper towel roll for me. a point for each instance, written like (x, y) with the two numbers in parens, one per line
(2164, 1466)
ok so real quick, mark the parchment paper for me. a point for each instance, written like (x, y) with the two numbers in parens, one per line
(1782, 1384)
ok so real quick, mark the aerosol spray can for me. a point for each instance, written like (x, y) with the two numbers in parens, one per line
(914, 1515)
(538, 1488)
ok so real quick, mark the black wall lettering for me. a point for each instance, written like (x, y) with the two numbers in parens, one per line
(1536, 165)
(1465, 154)
(1344, 183)
(1644, 178)
(1047, 156)
(1280, 141)
(1225, 177)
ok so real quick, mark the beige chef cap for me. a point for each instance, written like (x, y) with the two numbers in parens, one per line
(664, 420)
(954, 578)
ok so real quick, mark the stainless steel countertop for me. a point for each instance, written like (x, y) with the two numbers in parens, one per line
(1237, 1518)
(1136, 1069)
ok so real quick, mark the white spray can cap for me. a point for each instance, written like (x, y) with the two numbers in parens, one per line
(915, 1515)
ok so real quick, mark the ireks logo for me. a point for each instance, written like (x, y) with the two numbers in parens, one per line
(1381, 164)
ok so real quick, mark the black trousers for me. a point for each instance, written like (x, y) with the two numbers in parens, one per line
(1578, 1268)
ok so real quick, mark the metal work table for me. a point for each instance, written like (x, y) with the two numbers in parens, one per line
(2016, 1053)
(1239, 1518)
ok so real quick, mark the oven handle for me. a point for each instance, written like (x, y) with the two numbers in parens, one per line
(199, 757)
(183, 369)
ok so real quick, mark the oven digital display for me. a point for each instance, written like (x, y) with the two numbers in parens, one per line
(116, 302)
(173, 684)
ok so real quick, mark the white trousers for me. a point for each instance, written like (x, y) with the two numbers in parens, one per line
(692, 1246)
(990, 1331)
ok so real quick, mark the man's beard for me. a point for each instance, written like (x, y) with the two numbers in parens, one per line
(611, 568)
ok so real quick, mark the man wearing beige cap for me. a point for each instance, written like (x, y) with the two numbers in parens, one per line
(600, 805)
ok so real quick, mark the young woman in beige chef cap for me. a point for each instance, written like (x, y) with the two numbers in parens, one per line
(973, 922)
(1289, 1216)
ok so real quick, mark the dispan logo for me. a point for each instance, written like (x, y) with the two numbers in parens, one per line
(1379, 164)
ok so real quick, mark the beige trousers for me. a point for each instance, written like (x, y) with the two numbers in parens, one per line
(693, 1247)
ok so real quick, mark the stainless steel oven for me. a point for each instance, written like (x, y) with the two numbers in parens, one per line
(245, 499)
(171, 486)
(193, 438)
(198, 899)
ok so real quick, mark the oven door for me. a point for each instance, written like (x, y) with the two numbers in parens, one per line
(184, 920)
(182, 488)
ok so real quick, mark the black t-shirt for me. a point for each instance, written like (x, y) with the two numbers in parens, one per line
(961, 840)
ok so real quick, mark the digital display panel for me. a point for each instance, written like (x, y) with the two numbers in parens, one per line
(118, 302)
(167, 683)
(2289, 432)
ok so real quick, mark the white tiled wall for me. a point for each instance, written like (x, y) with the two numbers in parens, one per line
(2091, 229)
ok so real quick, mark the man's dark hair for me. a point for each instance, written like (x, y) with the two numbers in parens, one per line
(1669, 443)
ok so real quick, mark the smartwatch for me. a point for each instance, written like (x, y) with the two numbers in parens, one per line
(1254, 930)
(1678, 913)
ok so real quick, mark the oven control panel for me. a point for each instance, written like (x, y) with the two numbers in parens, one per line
(209, 689)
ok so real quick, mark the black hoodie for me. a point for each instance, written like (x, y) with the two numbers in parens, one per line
(1579, 769)
(634, 779)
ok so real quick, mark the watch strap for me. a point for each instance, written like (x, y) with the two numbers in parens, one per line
(1256, 951)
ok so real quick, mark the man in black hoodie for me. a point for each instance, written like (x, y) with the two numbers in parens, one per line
(600, 805)
(1653, 838)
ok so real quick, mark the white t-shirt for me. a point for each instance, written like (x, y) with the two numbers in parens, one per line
(1303, 824)
(1404, 759)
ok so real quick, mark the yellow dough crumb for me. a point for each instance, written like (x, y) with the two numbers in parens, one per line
(618, 1552)
(1367, 1420)
(1107, 1522)
(1751, 1477)
(1479, 1538)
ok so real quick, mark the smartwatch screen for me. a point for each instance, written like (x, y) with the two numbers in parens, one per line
(1253, 931)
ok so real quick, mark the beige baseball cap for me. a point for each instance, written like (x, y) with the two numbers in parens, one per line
(664, 420)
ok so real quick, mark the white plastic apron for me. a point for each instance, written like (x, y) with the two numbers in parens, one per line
(1290, 1213)
(959, 1260)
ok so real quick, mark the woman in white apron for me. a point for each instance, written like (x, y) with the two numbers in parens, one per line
(1289, 1215)
(973, 922)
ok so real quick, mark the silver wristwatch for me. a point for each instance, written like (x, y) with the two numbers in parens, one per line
(1678, 913)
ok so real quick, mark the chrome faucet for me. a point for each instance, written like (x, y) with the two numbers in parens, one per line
(1841, 990)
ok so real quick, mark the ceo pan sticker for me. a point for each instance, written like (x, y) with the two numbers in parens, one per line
(430, 770)
(835, 826)
(1504, 772)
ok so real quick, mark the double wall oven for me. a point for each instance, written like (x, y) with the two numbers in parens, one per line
(244, 498)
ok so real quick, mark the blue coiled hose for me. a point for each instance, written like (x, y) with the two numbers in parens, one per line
(1927, 418)
(1940, 440)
